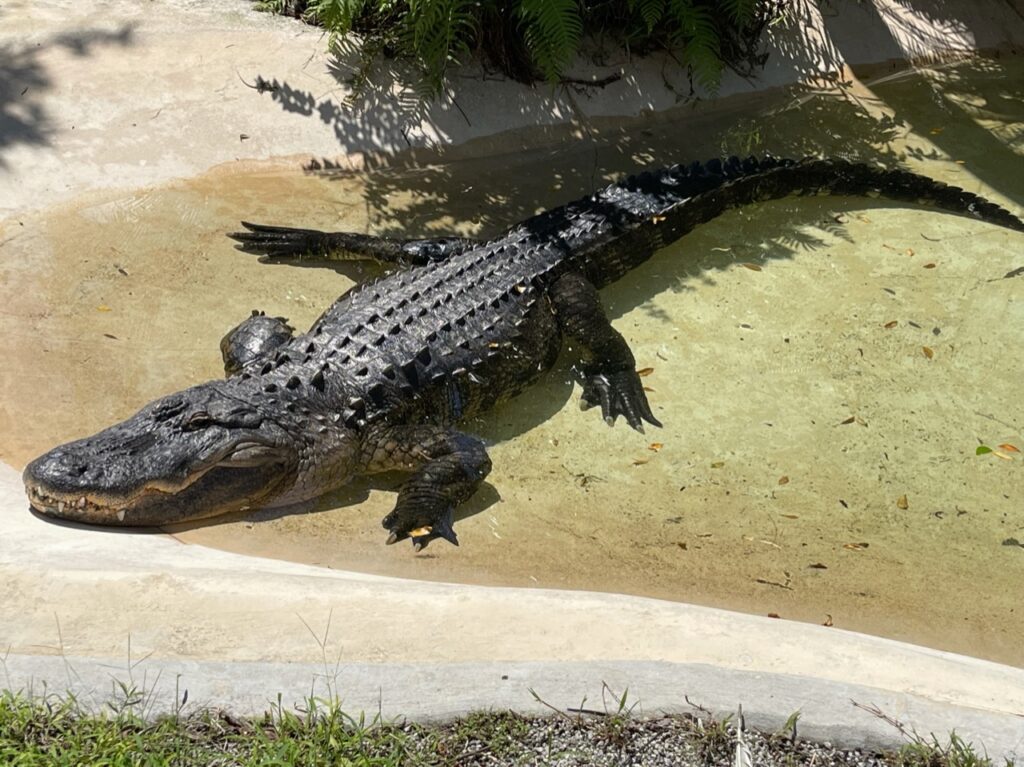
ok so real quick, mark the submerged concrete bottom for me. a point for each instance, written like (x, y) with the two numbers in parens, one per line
(84, 610)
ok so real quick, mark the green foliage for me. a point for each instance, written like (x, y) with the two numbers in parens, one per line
(539, 39)
(552, 30)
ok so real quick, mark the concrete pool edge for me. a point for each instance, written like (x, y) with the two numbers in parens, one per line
(219, 625)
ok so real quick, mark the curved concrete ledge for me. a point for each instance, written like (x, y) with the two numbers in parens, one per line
(78, 609)
(220, 624)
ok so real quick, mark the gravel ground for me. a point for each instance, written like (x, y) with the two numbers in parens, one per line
(619, 741)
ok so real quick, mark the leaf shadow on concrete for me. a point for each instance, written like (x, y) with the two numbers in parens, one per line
(24, 81)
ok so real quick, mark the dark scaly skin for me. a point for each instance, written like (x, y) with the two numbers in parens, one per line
(383, 378)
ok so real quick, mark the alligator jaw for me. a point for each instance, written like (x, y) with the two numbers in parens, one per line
(81, 509)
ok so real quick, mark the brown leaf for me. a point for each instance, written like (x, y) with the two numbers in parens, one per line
(783, 480)
(929, 265)
(1009, 448)
(855, 546)
(655, 446)
(928, 351)
(640, 461)
(818, 566)
(717, 464)
(902, 503)
(774, 615)
(851, 419)
(890, 324)
(791, 516)
(682, 545)
(909, 251)
(752, 267)
(828, 620)
(644, 372)
(103, 308)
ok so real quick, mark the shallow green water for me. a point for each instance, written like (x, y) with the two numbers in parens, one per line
(821, 409)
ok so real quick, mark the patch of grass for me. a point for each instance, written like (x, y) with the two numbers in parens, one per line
(55, 731)
(931, 753)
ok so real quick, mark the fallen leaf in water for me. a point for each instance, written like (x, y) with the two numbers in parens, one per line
(783, 480)
(851, 419)
(1013, 542)
(855, 546)
(902, 503)
(999, 454)
(103, 308)
(791, 516)
(717, 464)
(828, 620)
(774, 615)
(640, 461)
(1009, 448)
(752, 267)
(682, 545)
(655, 446)
(890, 325)
(928, 351)
(929, 266)
(909, 251)
(818, 566)
(644, 372)
(982, 449)
(110, 335)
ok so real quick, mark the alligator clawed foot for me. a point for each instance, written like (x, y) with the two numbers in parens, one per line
(618, 393)
(419, 529)
(279, 241)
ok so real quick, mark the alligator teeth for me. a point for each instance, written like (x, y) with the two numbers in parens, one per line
(60, 506)
(120, 516)
(81, 502)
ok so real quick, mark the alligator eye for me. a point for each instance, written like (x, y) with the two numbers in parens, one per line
(198, 420)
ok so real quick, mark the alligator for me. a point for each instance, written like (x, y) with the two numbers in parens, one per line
(384, 377)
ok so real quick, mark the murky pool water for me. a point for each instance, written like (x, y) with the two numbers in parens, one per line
(825, 368)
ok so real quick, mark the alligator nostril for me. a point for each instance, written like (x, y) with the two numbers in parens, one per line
(80, 470)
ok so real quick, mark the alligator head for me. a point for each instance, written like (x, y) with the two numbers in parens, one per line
(197, 453)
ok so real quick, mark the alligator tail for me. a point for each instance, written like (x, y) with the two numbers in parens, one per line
(741, 183)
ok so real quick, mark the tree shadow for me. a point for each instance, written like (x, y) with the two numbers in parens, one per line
(24, 119)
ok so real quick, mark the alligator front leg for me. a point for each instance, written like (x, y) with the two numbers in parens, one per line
(447, 467)
(609, 369)
(286, 242)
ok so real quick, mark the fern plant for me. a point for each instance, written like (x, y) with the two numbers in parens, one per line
(539, 39)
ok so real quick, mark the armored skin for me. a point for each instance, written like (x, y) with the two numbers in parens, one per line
(383, 378)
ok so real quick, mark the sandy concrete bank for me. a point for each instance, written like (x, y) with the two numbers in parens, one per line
(135, 95)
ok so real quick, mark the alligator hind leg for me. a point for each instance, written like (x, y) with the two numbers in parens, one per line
(252, 339)
(286, 242)
(447, 467)
(609, 369)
